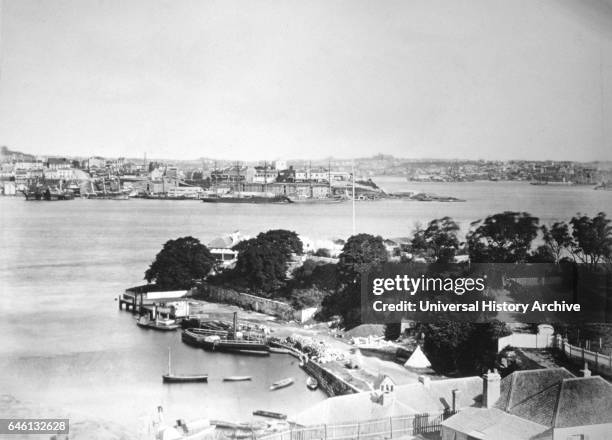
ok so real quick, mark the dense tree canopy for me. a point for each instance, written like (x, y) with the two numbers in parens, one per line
(557, 238)
(503, 238)
(438, 241)
(263, 261)
(180, 264)
(360, 253)
(592, 239)
(462, 347)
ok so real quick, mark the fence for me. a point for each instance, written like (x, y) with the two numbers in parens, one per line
(598, 362)
(391, 427)
(525, 340)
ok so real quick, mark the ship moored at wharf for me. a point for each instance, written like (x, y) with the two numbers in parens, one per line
(216, 343)
(246, 198)
(231, 340)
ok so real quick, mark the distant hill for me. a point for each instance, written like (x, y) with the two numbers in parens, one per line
(7, 155)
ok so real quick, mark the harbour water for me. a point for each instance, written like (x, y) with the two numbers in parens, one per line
(65, 344)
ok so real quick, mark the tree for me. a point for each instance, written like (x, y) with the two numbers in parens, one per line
(180, 264)
(502, 238)
(462, 347)
(592, 239)
(360, 254)
(557, 238)
(261, 264)
(288, 241)
(542, 254)
(439, 241)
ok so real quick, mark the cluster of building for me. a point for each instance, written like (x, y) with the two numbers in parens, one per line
(18, 170)
(538, 404)
(535, 171)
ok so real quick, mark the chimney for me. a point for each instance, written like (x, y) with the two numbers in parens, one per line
(585, 371)
(425, 381)
(456, 404)
(491, 383)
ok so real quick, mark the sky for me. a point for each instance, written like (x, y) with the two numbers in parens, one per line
(270, 79)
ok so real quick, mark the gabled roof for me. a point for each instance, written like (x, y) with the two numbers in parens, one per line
(584, 401)
(494, 423)
(517, 387)
(556, 398)
(414, 398)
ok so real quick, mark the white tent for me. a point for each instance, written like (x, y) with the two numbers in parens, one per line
(417, 359)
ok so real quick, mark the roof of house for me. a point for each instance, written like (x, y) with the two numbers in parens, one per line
(517, 387)
(556, 398)
(493, 423)
(584, 401)
(225, 242)
(352, 408)
(414, 398)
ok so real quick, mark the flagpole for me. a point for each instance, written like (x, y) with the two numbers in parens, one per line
(353, 176)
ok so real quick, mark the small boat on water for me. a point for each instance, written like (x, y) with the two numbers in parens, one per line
(270, 414)
(181, 378)
(282, 384)
(237, 378)
(157, 324)
(312, 383)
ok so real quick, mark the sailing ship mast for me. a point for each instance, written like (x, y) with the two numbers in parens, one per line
(169, 362)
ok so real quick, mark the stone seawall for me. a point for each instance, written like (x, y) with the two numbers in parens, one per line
(247, 301)
(331, 384)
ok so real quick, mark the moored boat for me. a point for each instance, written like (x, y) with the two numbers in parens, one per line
(315, 200)
(216, 343)
(237, 378)
(181, 378)
(157, 324)
(282, 384)
(245, 198)
(270, 414)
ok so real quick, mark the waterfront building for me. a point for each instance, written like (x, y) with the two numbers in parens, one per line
(537, 404)
(232, 175)
(264, 174)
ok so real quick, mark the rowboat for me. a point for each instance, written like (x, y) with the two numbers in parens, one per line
(282, 383)
(236, 378)
(181, 378)
(270, 414)
(312, 383)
